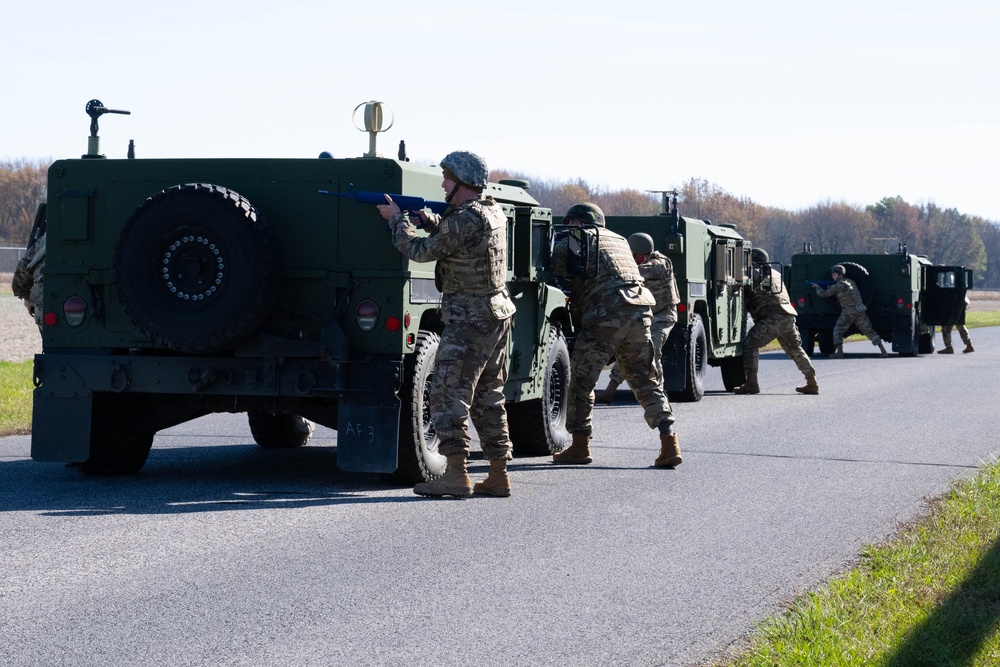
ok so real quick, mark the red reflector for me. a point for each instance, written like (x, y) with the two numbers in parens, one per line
(393, 324)
(406, 320)
(682, 307)
(50, 319)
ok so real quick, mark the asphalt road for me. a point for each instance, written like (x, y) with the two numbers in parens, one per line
(221, 553)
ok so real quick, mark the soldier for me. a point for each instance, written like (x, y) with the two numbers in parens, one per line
(658, 272)
(27, 281)
(853, 310)
(469, 243)
(773, 317)
(962, 331)
(614, 309)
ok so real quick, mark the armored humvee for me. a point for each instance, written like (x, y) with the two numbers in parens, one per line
(175, 288)
(712, 266)
(906, 295)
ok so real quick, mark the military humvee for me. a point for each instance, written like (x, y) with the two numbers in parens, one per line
(907, 295)
(175, 288)
(712, 266)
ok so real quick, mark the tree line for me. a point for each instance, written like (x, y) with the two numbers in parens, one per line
(945, 236)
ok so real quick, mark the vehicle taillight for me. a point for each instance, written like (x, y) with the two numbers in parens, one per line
(74, 309)
(802, 302)
(366, 314)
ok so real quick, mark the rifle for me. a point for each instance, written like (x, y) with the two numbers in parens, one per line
(405, 202)
(821, 283)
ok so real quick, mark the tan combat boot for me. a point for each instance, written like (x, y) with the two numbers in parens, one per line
(497, 483)
(948, 349)
(968, 348)
(670, 452)
(454, 482)
(881, 348)
(748, 387)
(812, 387)
(576, 453)
(606, 395)
(838, 353)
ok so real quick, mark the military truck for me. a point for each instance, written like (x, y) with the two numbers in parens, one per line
(176, 288)
(712, 266)
(907, 295)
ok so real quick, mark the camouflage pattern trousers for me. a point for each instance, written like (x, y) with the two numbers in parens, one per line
(628, 339)
(470, 370)
(962, 331)
(858, 319)
(767, 329)
(659, 331)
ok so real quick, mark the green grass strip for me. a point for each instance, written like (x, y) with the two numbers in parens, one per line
(15, 397)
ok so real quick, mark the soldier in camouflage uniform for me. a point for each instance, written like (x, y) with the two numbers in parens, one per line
(615, 316)
(27, 281)
(773, 317)
(658, 272)
(962, 331)
(469, 244)
(853, 310)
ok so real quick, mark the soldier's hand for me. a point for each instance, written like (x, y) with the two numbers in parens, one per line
(388, 209)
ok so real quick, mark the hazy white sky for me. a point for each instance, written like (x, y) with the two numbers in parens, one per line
(790, 103)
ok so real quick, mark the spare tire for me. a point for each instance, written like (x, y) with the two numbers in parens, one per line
(197, 268)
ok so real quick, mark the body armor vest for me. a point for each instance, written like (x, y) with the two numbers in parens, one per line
(481, 268)
(616, 268)
(760, 305)
(658, 272)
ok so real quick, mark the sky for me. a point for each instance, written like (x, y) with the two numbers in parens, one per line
(790, 103)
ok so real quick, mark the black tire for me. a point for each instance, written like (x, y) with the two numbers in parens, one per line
(117, 445)
(279, 431)
(825, 337)
(733, 373)
(696, 347)
(418, 458)
(197, 268)
(538, 427)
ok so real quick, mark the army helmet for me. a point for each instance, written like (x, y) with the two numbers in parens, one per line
(759, 256)
(838, 268)
(585, 213)
(466, 168)
(640, 244)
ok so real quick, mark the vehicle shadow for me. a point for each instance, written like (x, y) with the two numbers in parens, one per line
(197, 479)
(954, 633)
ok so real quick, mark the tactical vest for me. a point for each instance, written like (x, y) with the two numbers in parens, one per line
(760, 305)
(616, 269)
(481, 268)
(849, 297)
(658, 272)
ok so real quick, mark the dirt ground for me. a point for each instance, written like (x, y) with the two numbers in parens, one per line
(20, 340)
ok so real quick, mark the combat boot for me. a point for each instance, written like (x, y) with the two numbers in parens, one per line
(838, 353)
(670, 451)
(606, 395)
(497, 483)
(577, 453)
(812, 387)
(454, 482)
(948, 349)
(748, 387)
(881, 348)
(968, 348)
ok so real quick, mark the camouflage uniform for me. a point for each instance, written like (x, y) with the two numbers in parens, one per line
(658, 273)
(470, 368)
(615, 320)
(27, 281)
(962, 331)
(853, 310)
(773, 317)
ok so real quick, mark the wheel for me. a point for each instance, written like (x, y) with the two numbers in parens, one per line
(117, 445)
(826, 345)
(733, 373)
(196, 268)
(279, 431)
(418, 455)
(538, 427)
(696, 359)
